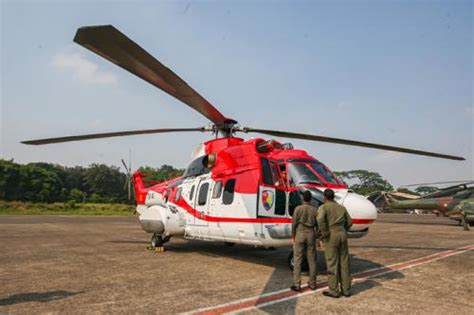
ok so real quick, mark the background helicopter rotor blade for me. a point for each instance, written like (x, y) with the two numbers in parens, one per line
(467, 181)
(128, 177)
(109, 135)
(110, 43)
(303, 136)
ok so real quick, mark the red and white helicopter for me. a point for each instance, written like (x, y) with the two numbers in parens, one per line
(234, 190)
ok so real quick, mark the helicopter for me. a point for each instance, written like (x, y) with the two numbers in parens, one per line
(446, 202)
(234, 191)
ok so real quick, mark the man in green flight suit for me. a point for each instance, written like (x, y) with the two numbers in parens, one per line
(333, 224)
(304, 239)
(464, 207)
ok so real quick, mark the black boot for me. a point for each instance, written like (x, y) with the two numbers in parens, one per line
(332, 295)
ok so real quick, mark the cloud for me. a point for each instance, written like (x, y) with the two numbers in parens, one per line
(82, 68)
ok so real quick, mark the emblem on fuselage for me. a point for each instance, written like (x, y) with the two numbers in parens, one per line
(267, 199)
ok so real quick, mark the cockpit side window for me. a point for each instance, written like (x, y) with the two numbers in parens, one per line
(270, 174)
(275, 174)
(267, 177)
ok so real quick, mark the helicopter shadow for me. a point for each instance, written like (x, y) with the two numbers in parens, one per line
(441, 222)
(281, 277)
(130, 242)
(37, 297)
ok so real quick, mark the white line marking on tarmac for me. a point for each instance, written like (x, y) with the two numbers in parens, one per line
(260, 301)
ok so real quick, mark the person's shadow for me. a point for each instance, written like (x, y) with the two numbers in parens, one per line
(36, 297)
(282, 278)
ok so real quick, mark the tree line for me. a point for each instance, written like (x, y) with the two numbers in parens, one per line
(100, 183)
(366, 182)
(47, 182)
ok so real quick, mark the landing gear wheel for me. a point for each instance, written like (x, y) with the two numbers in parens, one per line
(229, 244)
(157, 241)
(291, 262)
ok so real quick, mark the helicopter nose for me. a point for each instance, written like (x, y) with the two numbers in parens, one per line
(361, 210)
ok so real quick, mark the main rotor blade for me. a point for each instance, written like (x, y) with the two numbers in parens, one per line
(109, 135)
(114, 46)
(303, 136)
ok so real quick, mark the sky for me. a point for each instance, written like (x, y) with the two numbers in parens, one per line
(392, 72)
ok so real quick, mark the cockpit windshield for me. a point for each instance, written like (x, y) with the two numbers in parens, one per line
(325, 173)
(304, 171)
(300, 174)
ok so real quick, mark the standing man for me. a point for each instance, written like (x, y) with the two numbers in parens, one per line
(465, 225)
(464, 207)
(333, 223)
(304, 239)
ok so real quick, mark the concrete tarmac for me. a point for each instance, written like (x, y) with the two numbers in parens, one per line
(75, 264)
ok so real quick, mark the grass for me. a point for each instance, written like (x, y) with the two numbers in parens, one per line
(68, 208)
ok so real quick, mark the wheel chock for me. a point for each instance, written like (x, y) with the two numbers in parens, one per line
(160, 249)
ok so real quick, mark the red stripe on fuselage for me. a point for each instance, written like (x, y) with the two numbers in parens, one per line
(202, 216)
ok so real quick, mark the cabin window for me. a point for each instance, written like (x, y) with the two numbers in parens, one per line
(191, 193)
(178, 194)
(216, 193)
(228, 195)
(202, 197)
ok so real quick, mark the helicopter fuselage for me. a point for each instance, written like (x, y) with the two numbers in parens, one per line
(243, 192)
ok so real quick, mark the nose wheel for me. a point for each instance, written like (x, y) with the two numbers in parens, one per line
(158, 242)
(291, 261)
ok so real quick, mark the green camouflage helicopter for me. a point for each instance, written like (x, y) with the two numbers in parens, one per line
(456, 202)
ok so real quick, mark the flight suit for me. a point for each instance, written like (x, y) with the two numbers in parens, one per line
(333, 223)
(465, 225)
(304, 234)
(463, 207)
